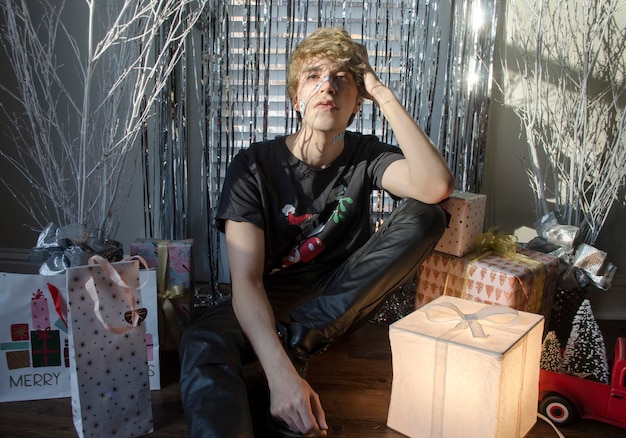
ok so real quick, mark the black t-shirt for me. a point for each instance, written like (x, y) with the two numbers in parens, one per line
(305, 213)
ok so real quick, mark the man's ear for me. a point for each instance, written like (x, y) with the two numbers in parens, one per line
(296, 107)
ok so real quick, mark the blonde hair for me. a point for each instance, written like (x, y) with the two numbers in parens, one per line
(330, 43)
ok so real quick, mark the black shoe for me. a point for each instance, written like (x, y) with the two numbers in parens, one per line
(300, 362)
(301, 343)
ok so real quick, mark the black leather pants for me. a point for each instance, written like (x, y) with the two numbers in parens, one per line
(331, 299)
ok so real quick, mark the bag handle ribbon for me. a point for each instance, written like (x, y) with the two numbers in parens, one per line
(116, 278)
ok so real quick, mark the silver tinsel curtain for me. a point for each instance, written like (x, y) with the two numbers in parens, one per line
(436, 55)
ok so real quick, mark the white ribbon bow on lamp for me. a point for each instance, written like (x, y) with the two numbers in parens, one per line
(471, 320)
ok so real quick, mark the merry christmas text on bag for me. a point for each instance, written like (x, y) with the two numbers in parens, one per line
(110, 386)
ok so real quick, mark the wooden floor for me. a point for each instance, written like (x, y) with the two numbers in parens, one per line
(353, 379)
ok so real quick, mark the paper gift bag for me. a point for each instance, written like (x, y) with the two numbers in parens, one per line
(110, 386)
(34, 354)
(26, 300)
(148, 282)
(449, 381)
(467, 216)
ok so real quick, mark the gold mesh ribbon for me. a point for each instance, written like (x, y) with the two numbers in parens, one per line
(506, 246)
(166, 295)
(500, 243)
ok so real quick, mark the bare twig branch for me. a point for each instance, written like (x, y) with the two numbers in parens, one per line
(77, 164)
(570, 69)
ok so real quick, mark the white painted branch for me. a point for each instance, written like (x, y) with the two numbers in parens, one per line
(81, 150)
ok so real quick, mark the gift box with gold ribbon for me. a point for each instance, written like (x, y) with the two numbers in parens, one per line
(173, 261)
(465, 369)
(499, 272)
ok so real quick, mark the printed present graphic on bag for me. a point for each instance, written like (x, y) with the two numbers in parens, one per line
(45, 348)
(18, 359)
(19, 332)
(39, 311)
(33, 338)
(150, 344)
(17, 353)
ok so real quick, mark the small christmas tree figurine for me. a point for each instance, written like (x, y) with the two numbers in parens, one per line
(585, 353)
(551, 357)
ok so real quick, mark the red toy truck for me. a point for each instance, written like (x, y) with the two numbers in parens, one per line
(564, 397)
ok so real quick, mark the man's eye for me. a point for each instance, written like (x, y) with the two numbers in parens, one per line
(312, 76)
(341, 77)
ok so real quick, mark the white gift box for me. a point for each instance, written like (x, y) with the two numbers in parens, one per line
(447, 382)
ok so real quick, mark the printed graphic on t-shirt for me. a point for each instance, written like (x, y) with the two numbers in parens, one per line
(339, 214)
(310, 243)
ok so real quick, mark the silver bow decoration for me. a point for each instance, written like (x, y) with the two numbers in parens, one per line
(59, 248)
(585, 263)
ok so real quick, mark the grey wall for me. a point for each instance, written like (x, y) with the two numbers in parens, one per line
(16, 226)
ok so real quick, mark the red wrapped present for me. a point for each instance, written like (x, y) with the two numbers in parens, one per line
(19, 332)
(524, 280)
(467, 216)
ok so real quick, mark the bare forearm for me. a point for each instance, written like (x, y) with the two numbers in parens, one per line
(411, 138)
(426, 167)
(256, 319)
(245, 247)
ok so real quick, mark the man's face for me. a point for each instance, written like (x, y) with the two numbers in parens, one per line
(327, 96)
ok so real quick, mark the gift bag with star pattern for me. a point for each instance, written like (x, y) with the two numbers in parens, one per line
(110, 386)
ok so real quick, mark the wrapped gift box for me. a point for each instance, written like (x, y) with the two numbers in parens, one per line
(174, 263)
(494, 279)
(467, 216)
(448, 383)
(174, 256)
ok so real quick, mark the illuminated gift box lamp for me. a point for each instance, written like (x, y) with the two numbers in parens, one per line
(449, 381)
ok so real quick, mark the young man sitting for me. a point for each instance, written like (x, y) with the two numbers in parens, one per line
(305, 265)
